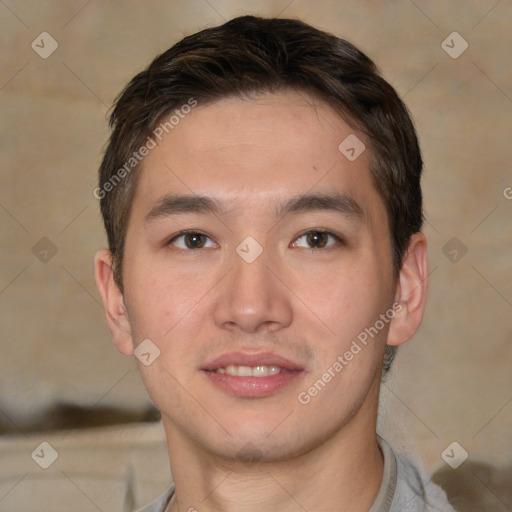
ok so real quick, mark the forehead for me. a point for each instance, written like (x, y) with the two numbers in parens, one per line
(247, 152)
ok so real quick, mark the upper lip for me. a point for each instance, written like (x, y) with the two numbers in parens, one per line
(251, 359)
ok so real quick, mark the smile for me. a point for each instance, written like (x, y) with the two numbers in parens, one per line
(250, 375)
(251, 371)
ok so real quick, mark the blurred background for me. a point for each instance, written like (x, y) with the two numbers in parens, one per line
(449, 396)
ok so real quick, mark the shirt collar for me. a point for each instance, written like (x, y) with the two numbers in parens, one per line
(386, 493)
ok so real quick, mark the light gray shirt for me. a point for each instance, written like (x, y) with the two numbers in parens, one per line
(404, 488)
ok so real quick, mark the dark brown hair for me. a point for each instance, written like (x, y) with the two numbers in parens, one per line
(248, 56)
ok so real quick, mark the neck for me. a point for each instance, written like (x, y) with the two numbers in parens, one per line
(344, 473)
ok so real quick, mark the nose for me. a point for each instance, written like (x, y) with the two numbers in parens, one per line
(252, 300)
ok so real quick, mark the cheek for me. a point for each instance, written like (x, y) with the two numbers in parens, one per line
(164, 309)
(172, 309)
(344, 298)
(157, 301)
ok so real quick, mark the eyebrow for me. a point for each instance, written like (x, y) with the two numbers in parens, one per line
(176, 204)
(337, 202)
(181, 204)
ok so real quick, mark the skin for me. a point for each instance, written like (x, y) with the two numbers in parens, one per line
(305, 304)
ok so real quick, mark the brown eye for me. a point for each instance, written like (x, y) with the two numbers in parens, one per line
(317, 239)
(195, 240)
(192, 240)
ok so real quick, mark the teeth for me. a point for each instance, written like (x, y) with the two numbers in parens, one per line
(231, 370)
(260, 371)
(274, 370)
(244, 371)
(248, 371)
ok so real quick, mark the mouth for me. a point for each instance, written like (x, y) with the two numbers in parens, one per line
(252, 375)
(251, 371)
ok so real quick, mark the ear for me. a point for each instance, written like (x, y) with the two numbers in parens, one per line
(411, 292)
(113, 300)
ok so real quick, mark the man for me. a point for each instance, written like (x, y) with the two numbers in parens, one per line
(261, 196)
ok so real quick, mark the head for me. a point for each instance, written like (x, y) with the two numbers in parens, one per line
(250, 116)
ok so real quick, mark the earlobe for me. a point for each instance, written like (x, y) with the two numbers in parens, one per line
(411, 292)
(113, 300)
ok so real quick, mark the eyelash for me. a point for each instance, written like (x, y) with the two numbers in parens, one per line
(184, 233)
(336, 238)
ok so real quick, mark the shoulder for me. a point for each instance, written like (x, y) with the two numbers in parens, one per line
(415, 492)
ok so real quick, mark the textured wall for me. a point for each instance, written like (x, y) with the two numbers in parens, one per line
(451, 383)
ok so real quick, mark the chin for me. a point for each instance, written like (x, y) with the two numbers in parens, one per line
(263, 443)
(250, 451)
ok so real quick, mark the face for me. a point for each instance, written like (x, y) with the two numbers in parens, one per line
(255, 256)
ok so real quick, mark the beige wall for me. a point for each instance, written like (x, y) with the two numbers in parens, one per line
(451, 383)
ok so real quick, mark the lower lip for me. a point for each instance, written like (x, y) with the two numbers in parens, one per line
(253, 387)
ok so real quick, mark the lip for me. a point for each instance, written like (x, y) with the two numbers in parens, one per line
(248, 359)
(252, 387)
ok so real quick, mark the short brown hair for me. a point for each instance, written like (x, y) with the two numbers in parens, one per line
(250, 55)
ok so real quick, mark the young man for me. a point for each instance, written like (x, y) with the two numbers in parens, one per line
(261, 196)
